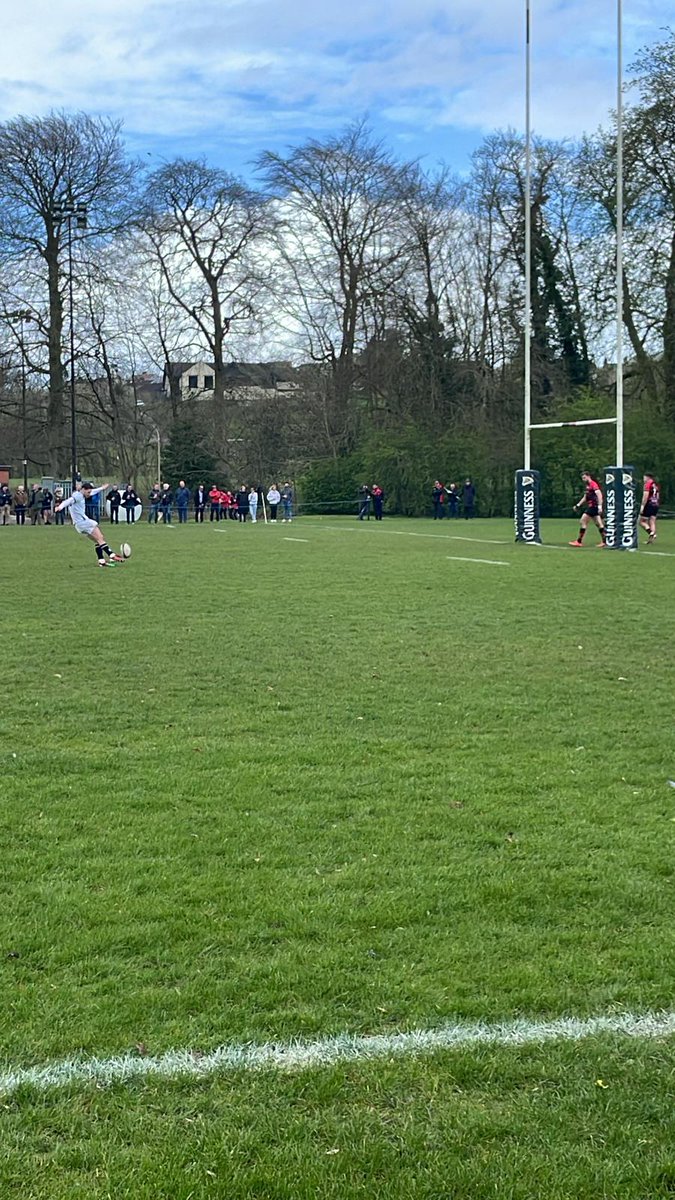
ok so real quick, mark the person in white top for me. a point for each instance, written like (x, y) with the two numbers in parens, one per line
(84, 524)
(273, 498)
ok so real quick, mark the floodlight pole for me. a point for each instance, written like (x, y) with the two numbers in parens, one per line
(65, 210)
(619, 233)
(527, 338)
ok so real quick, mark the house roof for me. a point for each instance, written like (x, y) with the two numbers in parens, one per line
(241, 374)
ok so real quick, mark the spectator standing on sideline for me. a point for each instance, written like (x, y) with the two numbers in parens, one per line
(287, 502)
(378, 501)
(129, 502)
(437, 493)
(242, 503)
(20, 504)
(200, 499)
(182, 502)
(59, 516)
(468, 499)
(166, 503)
(114, 499)
(364, 502)
(35, 505)
(5, 503)
(273, 499)
(453, 500)
(649, 506)
(154, 497)
(253, 505)
(214, 498)
(47, 499)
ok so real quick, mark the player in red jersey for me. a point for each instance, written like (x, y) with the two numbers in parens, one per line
(649, 506)
(592, 498)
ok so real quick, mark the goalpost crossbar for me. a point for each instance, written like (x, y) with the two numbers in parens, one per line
(565, 424)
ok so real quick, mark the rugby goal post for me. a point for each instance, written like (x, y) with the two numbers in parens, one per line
(621, 508)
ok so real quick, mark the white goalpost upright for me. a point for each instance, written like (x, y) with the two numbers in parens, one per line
(621, 507)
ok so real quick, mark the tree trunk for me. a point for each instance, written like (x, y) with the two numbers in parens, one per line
(669, 336)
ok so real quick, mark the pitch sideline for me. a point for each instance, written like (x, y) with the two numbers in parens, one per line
(324, 1052)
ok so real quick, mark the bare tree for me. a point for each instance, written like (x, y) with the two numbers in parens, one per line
(206, 230)
(46, 163)
(340, 242)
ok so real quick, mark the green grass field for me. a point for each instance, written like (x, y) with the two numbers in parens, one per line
(257, 789)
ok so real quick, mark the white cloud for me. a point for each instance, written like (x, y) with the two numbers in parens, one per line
(244, 70)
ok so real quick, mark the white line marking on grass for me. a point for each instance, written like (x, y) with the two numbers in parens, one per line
(489, 562)
(302, 1055)
(287, 539)
(456, 537)
(447, 537)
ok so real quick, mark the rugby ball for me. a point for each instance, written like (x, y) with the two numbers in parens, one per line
(125, 550)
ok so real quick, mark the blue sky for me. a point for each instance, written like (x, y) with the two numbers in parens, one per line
(226, 79)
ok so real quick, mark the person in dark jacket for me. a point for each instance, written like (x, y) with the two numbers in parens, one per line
(452, 497)
(287, 502)
(5, 503)
(154, 497)
(129, 502)
(364, 502)
(47, 500)
(182, 501)
(468, 499)
(166, 503)
(200, 499)
(114, 499)
(35, 504)
(437, 494)
(242, 503)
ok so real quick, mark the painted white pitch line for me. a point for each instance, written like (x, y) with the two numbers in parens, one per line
(456, 537)
(490, 562)
(304, 1055)
(446, 537)
(287, 539)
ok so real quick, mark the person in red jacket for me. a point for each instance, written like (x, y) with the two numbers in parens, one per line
(592, 498)
(214, 502)
(649, 506)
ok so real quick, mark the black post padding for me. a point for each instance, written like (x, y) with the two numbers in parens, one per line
(526, 507)
(621, 509)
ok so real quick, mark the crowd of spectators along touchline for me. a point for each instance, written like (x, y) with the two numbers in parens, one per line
(43, 507)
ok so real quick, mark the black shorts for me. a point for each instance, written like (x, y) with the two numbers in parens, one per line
(650, 510)
(592, 511)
